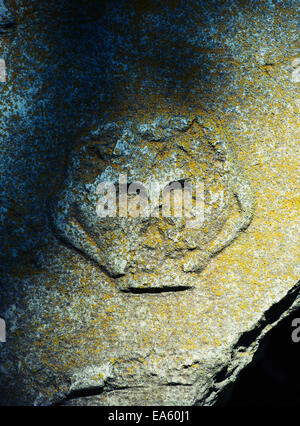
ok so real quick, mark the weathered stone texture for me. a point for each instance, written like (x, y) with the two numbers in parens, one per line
(144, 312)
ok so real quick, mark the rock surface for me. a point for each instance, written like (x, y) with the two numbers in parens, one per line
(145, 312)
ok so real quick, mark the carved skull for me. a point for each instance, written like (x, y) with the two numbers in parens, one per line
(154, 252)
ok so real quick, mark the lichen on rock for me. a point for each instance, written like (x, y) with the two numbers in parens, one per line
(155, 250)
(144, 310)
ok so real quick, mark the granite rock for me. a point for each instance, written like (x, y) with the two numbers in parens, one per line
(145, 311)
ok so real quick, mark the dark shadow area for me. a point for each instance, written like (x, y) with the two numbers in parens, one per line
(79, 63)
(158, 290)
(273, 378)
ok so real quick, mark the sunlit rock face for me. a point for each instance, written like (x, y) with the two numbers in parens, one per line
(144, 310)
(147, 243)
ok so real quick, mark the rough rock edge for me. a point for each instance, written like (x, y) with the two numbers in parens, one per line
(247, 344)
(254, 337)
